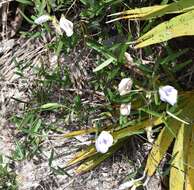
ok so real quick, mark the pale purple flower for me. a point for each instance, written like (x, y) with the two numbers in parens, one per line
(168, 94)
(125, 86)
(104, 142)
(42, 19)
(66, 25)
(125, 109)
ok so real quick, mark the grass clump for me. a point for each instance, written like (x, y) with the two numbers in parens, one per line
(7, 176)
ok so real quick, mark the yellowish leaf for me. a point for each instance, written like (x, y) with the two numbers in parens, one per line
(130, 130)
(138, 13)
(182, 25)
(189, 185)
(167, 134)
(95, 160)
(180, 151)
(160, 146)
(79, 132)
(155, 11)
(82, 155)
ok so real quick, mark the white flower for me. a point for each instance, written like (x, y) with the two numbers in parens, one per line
(125, 86)
(42, 19)
(126, 185)
(66, 25)
(104, 142)
(168, 94)
(125, 109)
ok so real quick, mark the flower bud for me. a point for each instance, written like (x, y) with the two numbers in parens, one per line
(125, 86)
(42, 19)
(125, 109)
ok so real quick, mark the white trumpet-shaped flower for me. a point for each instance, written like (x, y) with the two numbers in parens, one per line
(125, 86)
(168, 94)
(66, 25)
(42, 19)
(125, 109)
(126, 185)
(104, 142)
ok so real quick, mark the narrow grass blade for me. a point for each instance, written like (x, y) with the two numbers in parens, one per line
(26, 2)
(104, 64)
(51, 106)
(100, 49)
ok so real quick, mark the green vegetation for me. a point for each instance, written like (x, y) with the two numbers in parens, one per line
(7, 176)
(116, 54)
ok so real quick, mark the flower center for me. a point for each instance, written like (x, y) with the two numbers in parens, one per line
(105, 141)
(168, 92)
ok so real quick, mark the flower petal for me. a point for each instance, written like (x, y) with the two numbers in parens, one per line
(42, 19)
(66, 25)
(125, 86)
(100, 148)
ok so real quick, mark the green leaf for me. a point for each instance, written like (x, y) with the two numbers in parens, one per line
(51, 106)
(51, 157)
(26, 2)
(100, 49)
(104, 64)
